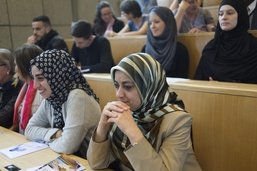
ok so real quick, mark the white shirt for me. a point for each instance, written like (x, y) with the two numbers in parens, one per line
(251, 7)
(250, 10)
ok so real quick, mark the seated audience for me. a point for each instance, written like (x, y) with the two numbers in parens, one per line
(44, 36)
(9, 88)
(137, 23)
(232, 55)
(29, 98)
(69, 109)
(92, 53)
(145, 129)
(162, 43)
(191, 18)
(105, 20)
(146, 5)
(252, 12)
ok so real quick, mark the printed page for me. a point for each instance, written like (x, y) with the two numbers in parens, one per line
(23, 149)
(62, 163)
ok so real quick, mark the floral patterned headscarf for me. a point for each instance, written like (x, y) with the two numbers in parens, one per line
(62, 75)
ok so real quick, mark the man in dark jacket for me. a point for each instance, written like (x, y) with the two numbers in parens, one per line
(92, 53)
(44, 36)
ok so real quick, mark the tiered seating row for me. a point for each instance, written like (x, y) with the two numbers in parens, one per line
(123, 46)
(207, 3)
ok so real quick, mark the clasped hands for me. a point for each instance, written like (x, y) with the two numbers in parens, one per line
(119, 113)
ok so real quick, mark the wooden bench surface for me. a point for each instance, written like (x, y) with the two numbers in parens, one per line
(195, 43)
(124, 45)
(224, 119)
(224, 123)
(69, 43)
(207, 3)
(214, 87)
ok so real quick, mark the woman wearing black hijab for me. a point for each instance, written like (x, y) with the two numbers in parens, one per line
(162, 43)
(232, 55)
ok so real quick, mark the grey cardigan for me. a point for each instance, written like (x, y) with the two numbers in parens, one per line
(80, 112)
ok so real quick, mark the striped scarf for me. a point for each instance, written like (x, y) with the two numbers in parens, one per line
(150, 80)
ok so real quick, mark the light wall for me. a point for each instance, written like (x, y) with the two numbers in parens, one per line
(16, 17)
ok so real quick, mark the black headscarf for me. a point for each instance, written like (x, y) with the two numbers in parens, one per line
(232, 55)
(163, 48)
(62, 75)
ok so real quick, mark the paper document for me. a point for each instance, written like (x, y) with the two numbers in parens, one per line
(62, 163)
(23, 149)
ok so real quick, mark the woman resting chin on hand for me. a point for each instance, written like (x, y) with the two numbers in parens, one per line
(145, 129)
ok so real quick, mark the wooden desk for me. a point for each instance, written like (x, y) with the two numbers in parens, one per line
(10, 138)
(207, 3)
(224, 123)
(122, 46)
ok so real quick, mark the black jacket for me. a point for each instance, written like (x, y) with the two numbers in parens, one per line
(52, 41)
(8, 94)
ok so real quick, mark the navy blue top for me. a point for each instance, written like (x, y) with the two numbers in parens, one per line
(132, 26)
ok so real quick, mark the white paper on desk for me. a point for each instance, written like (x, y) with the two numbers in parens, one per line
(23, 149)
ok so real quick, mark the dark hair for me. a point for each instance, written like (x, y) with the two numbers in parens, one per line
(102, 5)
(42, 18)
(131, 6)
(23, 55)
(81, 29)
(99, 25)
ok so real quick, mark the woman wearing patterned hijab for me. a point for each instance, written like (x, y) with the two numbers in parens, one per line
(232, 55)
(162, 43)
(144, 129)
(70, 107)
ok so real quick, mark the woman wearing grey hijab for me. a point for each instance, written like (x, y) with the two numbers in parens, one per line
(162, 43)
